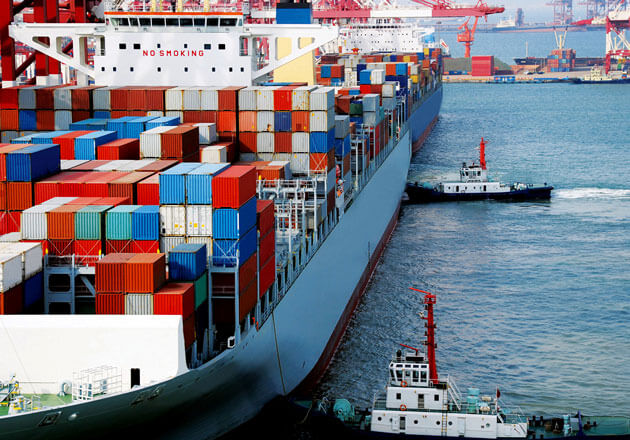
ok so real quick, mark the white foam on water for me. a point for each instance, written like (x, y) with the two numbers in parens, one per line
(591, 193)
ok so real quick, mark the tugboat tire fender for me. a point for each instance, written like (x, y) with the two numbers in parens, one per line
(403, 383)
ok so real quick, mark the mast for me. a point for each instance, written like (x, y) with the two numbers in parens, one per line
(429, 300)
(482, 154)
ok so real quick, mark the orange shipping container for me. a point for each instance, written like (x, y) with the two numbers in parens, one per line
(61, 222)
(300, 121)
(9, 120)
(145, 273)
(247, 121)
(226, 121)
(19, 196)
(45, 120)
(175, 299)
(126, 186)
(110, 273)
(110, 304)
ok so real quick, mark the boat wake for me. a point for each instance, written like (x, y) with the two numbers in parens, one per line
(592, 193)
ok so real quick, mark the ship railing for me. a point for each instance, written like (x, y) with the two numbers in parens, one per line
(168, 6)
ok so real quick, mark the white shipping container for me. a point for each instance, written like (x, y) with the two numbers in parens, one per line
(34, 225)
(371, 102)
(247, 98)
(389, 89)
(63, 119)
(101, 98)
(151, 142)
(10, 271)
(265, 121)
(377, 76)
(300, 98)
(157, 113)
(11, 237)
(62, 98)
(414, 69)
(209, 98)
(264, 142)
(214, 154)
(31, 256)
(174, 98)
(192, 98)
(201, 240)
(7, 136)
(207, 133)
(300, 163)
(199, 220)
(114, 165)
(68, 164)
(58, 201)
(300, 142)
(321, 120)
(138, 304)
(370, 119)
(285, 163)
(177, 113)
(168, 243)
(276, 158)
(134, 165)
(342, 126)
(389, 103)
(322, 99)
(172, 220)
(264, 98)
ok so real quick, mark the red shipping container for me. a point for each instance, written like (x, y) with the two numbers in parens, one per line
(9, 120)
(145, 246)
(90, 165)
(87, 251)
(189, 330)
(45, 120)
(19, 195)
(247, 121)
(275, 172)
(336, 71)
(72, 185)
(66, 143)
(120, 149)
(365, 88)
(110, 304)
(126, 186)
(115, 114)
(247, 272)
(342, 104)
(118, 99)
(44, 99)
(155, 98)
(98, 184)
(267, 274)
(377, 88)
(60, 248)
(4, 150)
(148, 191)
(60, 222)
(11, 301)
(233, 187)
(112, 201)
(8, 222)
(118, 246)
(390, 69)
(248, 299)
(190, 116)
(85, 201)
(330, 201)
(226, 121)
(282, 142)
(9, 98)
(82, 98)
(318, 161)
(208, 116)
(247, 142)
(110, 272)
(267, 245)
(137, 98)
(180, 142)
(175, 299)
(283, 98)
(300, 121)
(145, 273)
(3, 196)
(159, 165)
(228, 98)
(80, 115)
(265, 215)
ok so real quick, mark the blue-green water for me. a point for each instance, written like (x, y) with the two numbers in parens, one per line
(532, 297)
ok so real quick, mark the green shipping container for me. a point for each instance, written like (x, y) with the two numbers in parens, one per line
(118, 222)
(89, 222)
(356, 108)
(201, 290)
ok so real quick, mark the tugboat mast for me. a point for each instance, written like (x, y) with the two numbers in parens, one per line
(429, 300)
(482, 154)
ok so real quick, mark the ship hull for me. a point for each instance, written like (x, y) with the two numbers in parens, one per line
(419, 194)
(290, 349)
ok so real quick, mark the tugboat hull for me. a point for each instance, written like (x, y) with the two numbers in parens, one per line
(421, 194)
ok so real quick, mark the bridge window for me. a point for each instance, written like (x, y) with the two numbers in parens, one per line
(242, 69)
(221, 46)
(213, 22)
(145, 22)
(136, 46)
(159, 69)
(124, 21)
(102, 69)
(398, 396)
(114, 69)
(131, 69)
(457, 189)
(158, 21)
(214, 69)
(199, 22)
(185, 22)
(122, 46)
(172, 22)
(207, 46)
(185, 46)
(185, 69)
(228, 22)
(230, 69)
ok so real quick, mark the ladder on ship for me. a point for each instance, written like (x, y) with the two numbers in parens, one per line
(68, 283)
(445, 409)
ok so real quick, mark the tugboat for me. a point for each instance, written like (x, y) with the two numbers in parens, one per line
(474, 185)
(419, 404)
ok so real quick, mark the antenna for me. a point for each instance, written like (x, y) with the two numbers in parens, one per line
(429, 300)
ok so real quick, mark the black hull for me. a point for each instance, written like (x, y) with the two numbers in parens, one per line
(419, 194)
(612, 81)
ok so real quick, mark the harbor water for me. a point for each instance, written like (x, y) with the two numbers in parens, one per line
(533, 297)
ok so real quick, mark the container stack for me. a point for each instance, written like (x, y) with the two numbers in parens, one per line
(332, 74)
(482, 66)
(265, 223)
(561, 60)
(21, 278)
(343, 146)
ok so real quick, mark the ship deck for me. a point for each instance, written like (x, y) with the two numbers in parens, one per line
(45, 400)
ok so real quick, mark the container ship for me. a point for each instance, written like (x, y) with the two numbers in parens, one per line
(185, 238)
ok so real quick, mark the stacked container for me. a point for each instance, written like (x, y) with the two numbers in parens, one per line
(21, 286)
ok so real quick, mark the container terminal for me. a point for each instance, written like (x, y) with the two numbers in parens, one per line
(173, 222)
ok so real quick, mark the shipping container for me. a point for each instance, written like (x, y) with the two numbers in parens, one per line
(33, 290)
(89, 222)
(199, 183)
(11, 300)
(87, 252)
(33, 163)
(126, 186)
(282, 121)
(322, 99)
(265, 98)
(267, 275)
(110, 304)
(175, 299)
(60, 248)
(300, 98)
(30, 256)
(173, 183)
(265, 142)
(248, 142)
(247, 99)
(60, 222)
(207, 133)
(163, 121)
(229, 252)
(34, 223)
(267, 244)
(66, 143)
(145, 273)
(265, 215)
(4, 150)
(148, 191)
(201, 294)
(265, 121)
(172, 220)
(180, 142)
(10, 271)
(151, 141)
(146, 223)
(321, 142)
(230, 223)
(198, 220)
(321, 120)
(145, 246)
(282, 99)
(187, 262)
(213, 154)
(300, 121)
(85, 146)
(119, 125)
(228, 98)
(119, 222)
(97, 184)
(234, 186)
(120, 149)
(138, 304)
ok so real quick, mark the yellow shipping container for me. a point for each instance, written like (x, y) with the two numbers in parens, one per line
(414, 79)
(406, 58)
(426, 51)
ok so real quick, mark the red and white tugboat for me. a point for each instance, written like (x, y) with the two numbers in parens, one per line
(474, 184)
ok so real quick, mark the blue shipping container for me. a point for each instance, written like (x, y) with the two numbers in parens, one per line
(364, 76)
(118, 125)
(33, 289)
(228, 223)
(325, 70)
(187, 262)
(173, 183)
(401, 68)
(342, 146)
(137, 126)
(228, 252)
(322, 142)
(282, 121)
(85, 146)
(27, 120)
(199, 183)
(354, 92)
(145, 223)
(162, 121)
(102, 114)
(22, 139)
(292, 15)
(47, 137)
(33, 163)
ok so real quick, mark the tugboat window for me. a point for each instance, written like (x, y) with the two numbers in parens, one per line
(397, 396)
(436, 397)
(228, 22)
